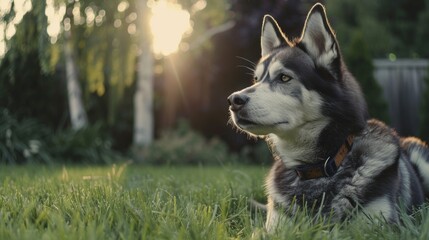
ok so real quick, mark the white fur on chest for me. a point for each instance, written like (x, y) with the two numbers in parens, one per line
(294, 151)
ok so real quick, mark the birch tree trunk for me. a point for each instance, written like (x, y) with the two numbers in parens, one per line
(78, 116)
(143, 97)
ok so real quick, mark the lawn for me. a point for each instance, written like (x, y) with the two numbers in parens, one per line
(147, 202)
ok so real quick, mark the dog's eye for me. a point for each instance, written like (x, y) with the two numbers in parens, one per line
(285, 78)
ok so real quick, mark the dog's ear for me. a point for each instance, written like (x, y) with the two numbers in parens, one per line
(271, 35)
(318, 39)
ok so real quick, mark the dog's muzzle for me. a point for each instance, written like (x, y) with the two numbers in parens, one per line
(237, 101)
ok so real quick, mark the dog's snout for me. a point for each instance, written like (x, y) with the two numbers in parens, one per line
(237, 101)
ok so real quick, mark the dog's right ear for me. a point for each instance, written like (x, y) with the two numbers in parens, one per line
(318, 40)
(271, 35)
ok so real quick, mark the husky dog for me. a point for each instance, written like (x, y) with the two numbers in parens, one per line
(328, 155)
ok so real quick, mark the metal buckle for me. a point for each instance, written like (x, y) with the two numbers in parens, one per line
(324, 167)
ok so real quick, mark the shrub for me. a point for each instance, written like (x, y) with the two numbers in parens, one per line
(22, 141)
(87, 145)
(258, 153)
(185, 146)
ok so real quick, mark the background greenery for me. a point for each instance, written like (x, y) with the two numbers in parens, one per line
(34, 124)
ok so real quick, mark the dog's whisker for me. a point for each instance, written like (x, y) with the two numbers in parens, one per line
(248, 68)
(247, 60)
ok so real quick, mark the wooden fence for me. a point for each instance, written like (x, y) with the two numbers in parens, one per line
(403, 84)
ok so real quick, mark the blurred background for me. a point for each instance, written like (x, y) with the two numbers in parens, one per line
(97, 81)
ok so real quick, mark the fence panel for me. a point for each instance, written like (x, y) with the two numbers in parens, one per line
(403, 84)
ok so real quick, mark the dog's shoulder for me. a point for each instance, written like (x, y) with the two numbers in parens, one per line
(379, 132)
(376, 144)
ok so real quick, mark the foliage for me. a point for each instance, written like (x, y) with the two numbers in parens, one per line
(348, 17)
(405, 25)
(185, 146)
(359, 60)
(22, 82)
(30, 35)
(22, 141)
(422, 33)
(141, 202)
(257, 153)
(106, 42)
(397, 27)
(424, 112)
(87, 145)
(28, 141)
(213, 14)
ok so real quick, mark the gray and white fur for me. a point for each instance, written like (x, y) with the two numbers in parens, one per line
(304, 103)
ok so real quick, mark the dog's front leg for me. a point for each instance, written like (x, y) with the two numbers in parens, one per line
(342, 206)
(273, 217)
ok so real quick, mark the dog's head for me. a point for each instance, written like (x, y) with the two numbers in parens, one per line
(295, 82)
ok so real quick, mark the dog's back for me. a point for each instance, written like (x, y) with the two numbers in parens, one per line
(418, 153)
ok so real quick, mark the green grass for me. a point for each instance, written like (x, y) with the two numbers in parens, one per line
(141, 202)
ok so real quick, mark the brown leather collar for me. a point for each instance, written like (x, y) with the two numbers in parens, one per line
(328, 167)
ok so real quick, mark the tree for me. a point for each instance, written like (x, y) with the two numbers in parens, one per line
(104, 43)
(78, 117)
(25, 77)
(349, 16)
(424, 112)
(209, 20)
(397, 26)
(401, 18)
(422, 32)
(359, 61)
(143, 97)
(95, 43)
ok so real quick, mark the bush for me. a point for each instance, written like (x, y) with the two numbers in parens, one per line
(29, 141)
(22, 141)
(257, 154)
(185, 146)
(87, 145)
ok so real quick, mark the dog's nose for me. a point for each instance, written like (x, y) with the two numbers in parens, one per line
(237, 101)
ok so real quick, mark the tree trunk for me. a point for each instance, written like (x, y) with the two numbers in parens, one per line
(143, 97)
(77, 111)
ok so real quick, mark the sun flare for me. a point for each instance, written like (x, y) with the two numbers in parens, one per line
(168, 23)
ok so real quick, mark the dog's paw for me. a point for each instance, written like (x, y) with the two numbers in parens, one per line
(341, 206)
(259, 234)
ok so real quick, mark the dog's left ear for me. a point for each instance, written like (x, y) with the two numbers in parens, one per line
(319, 41)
